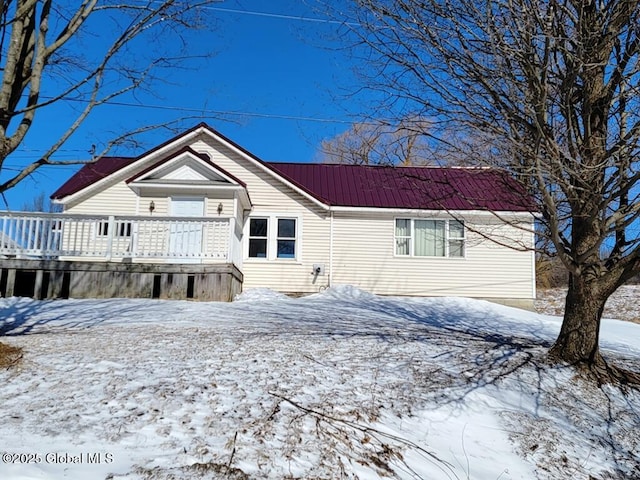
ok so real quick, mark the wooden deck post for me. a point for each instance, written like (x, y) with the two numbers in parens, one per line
(56, 279)
(37, 285)
(11, 282)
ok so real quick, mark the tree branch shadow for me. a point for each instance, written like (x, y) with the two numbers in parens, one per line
(25, 316)
(484, 352)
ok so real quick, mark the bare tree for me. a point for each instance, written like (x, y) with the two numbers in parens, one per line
(88, 53)
(375, 142)
(41, 203)
(552, 87)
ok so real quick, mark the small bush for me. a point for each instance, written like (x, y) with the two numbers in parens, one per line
(9, 355)
(550, 273)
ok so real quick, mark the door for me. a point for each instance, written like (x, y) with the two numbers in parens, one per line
(185, 238)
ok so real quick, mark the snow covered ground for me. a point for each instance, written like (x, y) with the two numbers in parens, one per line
(337, 385)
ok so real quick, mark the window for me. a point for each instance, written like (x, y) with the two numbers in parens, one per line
(403, 236)
(456, 238)
(56, 225)
(258, 237)
(286, 238)
(273, 237)
(429, 238)
(122, 229)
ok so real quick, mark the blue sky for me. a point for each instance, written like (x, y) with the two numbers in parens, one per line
(278, 84)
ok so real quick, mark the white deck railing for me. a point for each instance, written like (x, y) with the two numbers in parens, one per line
(66, 236)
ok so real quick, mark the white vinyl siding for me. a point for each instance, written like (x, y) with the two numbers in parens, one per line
(266, 194)
(117, 199)
(213, 203)
(364, 255)
(367, 251)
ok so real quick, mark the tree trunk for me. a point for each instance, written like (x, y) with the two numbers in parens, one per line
(577, 343)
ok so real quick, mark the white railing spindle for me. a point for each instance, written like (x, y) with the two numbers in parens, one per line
(112, 238)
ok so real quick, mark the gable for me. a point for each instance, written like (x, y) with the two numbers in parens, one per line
(91, 179)
(186, 172)
(186, 166)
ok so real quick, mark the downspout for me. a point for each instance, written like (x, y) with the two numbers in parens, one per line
(533, 259)
(330, 248)
(235, 256)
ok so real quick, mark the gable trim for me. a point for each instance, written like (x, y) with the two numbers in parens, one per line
(131, 167)
(186, 151)
(187, 186)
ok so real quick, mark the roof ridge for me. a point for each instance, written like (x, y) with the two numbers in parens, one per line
(438, 167)
(111, 157)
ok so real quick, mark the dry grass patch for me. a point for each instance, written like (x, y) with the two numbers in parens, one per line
(9, 355)
(622, 305)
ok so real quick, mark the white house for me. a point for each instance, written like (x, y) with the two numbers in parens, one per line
(200, 198)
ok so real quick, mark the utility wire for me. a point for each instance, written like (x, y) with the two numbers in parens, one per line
(204, 111)
(222, 112)
(299, 18)
(280, 15)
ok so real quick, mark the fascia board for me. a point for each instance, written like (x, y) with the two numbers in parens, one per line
(416, 211)
(185, 185)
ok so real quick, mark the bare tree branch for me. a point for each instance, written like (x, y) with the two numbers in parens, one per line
(44, 35)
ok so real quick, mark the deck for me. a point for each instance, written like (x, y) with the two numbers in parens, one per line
(91, 256)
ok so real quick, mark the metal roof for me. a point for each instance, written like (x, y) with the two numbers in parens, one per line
(427, 188)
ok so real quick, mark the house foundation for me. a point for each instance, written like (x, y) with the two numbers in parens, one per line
(48, 279)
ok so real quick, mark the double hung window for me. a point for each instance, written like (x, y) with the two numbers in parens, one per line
(286, 240)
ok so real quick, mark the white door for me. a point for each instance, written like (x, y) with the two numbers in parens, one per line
(185, 238)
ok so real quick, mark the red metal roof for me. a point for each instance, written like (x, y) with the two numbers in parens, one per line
(90, 173)
(428, 188)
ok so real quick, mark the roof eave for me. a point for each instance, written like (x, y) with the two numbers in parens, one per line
(413, 210)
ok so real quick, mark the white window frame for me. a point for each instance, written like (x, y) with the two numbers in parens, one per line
(411, 238)
(265, 238)
(272, 237)
(450, 239)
